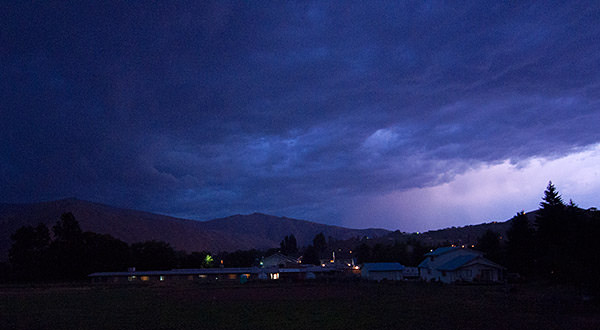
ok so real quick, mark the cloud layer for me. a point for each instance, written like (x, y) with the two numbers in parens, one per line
(305, 110)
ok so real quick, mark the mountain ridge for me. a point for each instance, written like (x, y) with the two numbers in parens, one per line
(237, 232)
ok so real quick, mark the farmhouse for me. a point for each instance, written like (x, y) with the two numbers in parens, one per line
(378, 271)
(454, 264)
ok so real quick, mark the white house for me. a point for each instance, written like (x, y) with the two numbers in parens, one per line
(452, 264)
(378, 271)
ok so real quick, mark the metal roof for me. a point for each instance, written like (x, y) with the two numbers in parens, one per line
(457, 262)
(440, 251)
(382, 266)
(195, 271)
(215, 271)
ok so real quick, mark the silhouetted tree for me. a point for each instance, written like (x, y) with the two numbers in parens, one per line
(311, 256)
(288, 245)
(192, 260)
(320, 243)
(66, 253)
(363, 253)
(552, 226)
(104, 253)
(240, 258)
(153, 255)
(29, 251)
(520, 245)
(489, 243)
(550, 218)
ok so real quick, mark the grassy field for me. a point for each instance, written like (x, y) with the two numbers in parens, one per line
(295, 306)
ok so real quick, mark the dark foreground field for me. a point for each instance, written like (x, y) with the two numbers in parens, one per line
(296, 306)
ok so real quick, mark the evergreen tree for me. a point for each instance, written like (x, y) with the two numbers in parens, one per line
(553, 226)
(489, 243)
(520, 244)
(320, 243)
(288, 245)
(550, 218)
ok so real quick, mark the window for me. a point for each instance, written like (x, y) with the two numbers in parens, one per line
(162, 278)
(145, 278)
(274, 276)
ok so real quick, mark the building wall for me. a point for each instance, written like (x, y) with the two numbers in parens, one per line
(380, 276)
(476, 272)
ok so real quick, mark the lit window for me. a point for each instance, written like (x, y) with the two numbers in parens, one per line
(274, 276)
(131, 278)
(202, 276)
(144, 278)
(162, 278)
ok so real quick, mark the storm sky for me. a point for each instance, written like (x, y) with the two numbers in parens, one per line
(401, 115)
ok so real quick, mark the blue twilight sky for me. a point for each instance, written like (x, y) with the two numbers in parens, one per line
(407, 115)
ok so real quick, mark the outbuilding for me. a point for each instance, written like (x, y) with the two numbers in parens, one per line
(379, 271)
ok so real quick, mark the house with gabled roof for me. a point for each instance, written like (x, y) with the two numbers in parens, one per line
(455, 264)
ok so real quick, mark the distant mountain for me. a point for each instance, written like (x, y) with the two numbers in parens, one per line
(466, 235)
(256, 230)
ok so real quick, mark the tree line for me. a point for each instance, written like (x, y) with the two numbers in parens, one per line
(68, 253)
(560, 244)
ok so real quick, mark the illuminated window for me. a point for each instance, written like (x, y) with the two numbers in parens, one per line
(144, 278)
(131, 278)
(202, 276)
(274, 276)
(231, 276)
(162, 278)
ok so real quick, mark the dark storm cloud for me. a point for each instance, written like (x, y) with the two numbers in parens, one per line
(207, 109)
